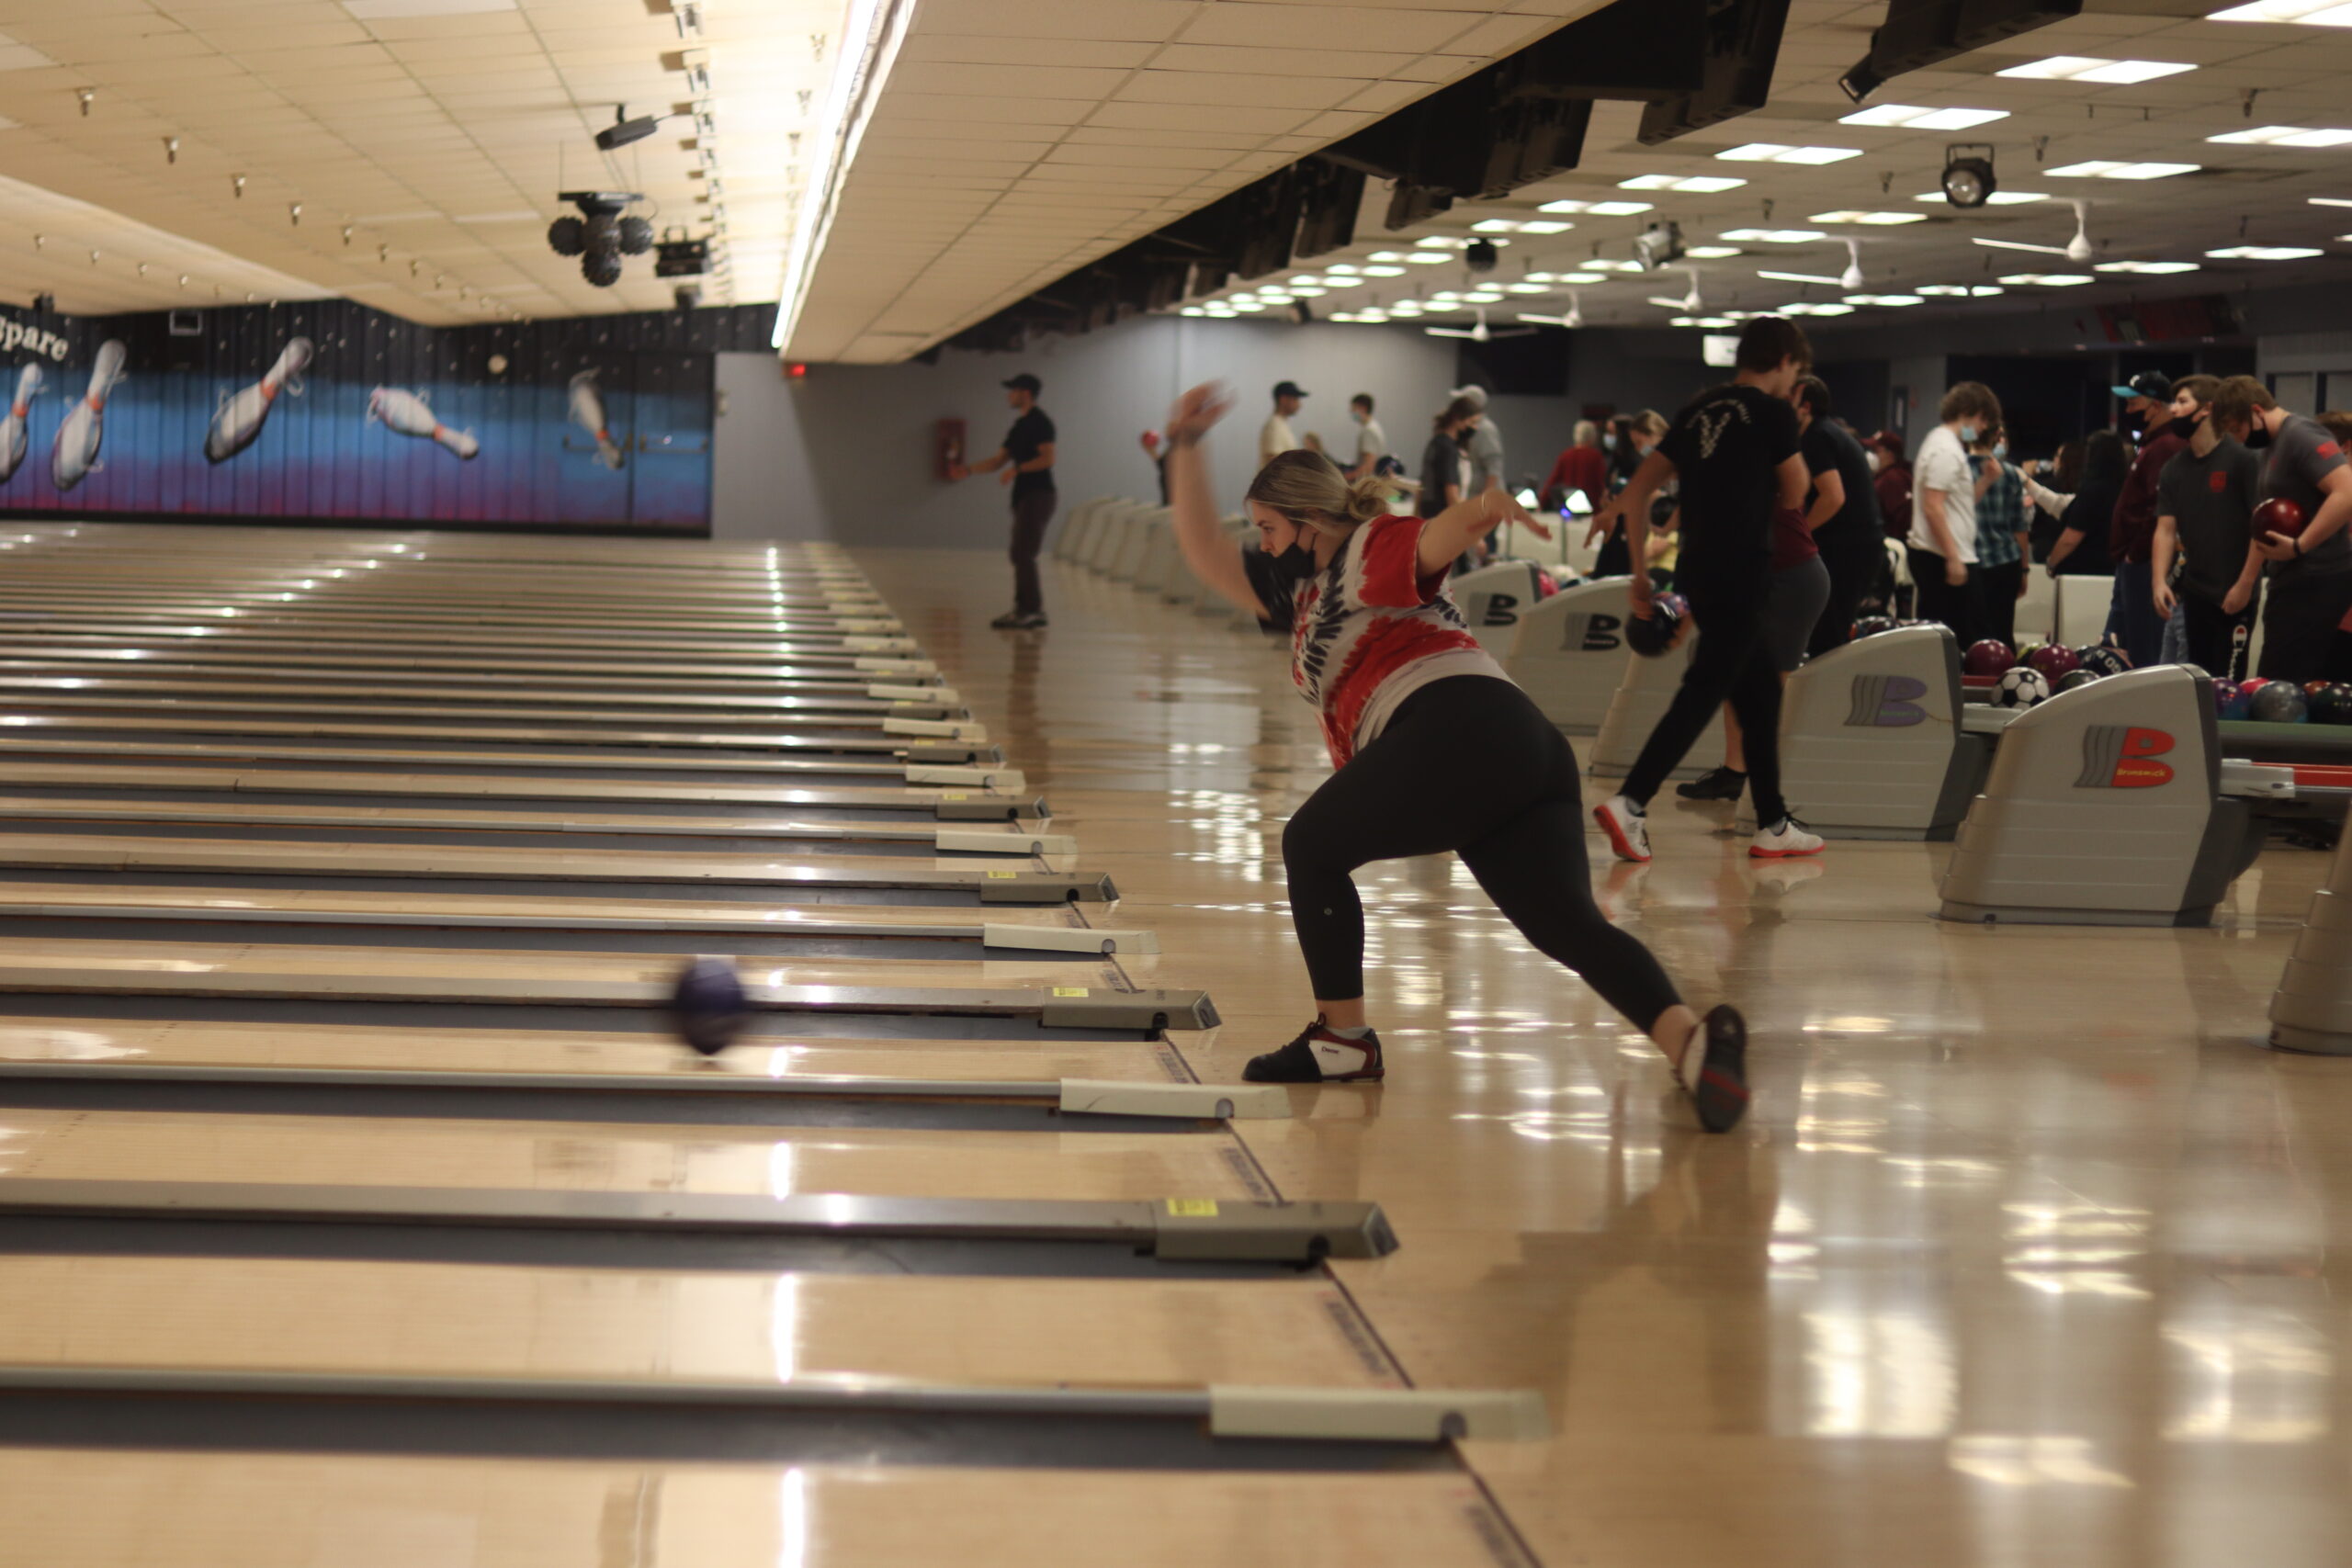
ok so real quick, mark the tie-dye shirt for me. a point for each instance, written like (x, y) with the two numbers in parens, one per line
(1368, 630)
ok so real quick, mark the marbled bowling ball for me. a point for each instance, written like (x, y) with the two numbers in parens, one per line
(1989, 656)
(2280, 702)
(2055, 663)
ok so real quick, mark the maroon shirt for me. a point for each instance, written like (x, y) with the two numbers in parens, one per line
(2132, 533)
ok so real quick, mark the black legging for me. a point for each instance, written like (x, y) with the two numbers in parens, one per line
(1855, 565)
(1731, 664)
(1467, 764)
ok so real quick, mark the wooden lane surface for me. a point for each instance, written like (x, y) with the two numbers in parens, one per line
(788, 834)
(112, 1510)
(117, 663)
(796, 786)
(751, 918)
(769, 738)
(332, 967)
(265, 631)
(183, 1043)
(800, 723)
(206, 645)
(587, 1157)
(18, 690)
(481, 1320)
(232, 857)
(280, 610)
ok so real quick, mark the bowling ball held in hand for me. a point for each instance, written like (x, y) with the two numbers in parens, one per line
(1653, 634)
(709, 1005)
(2278, 516)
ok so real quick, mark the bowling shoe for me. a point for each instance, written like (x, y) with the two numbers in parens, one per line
(1317, 1056)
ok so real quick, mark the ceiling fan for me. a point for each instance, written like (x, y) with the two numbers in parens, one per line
(1690, 304)
(1480, 333)
(1573, 320)
(1851, 278)
(2076, 249)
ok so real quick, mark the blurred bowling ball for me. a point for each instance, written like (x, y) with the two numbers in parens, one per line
(2100, 660)
(2278, 515)
(1678, 604)
(2331, 704)
(1870, 625)
(2020, 688)
(709, 1005)
(1653, 634)
(2026, 651)
(2226, 698)
(2055, 663)
(2280, 702)
(2075, 680)
(1987, 658)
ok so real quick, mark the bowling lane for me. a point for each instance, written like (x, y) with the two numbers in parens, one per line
(577, 1157)
(99, 1041)
(334, 661)
(97, 1509)
(615, 745)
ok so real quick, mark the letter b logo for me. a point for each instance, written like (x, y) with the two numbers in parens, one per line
(1886, 701)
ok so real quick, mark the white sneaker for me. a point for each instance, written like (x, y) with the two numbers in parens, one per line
(1628, 829)
(1785, 840)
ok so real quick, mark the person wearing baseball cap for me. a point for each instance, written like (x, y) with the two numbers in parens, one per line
(1027, 459)
(1275, 437)
(2134, 624)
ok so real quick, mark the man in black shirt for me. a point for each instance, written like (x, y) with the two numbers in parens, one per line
(1843, 514)
(1027, 459)
(1736, 452)
(2205, 500)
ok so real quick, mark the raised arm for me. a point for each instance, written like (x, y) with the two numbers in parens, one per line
(1214, 558)
(1455, 529)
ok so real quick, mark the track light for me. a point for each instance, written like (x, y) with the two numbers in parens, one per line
(624, 130)
(1861, 81)
(1968, 181)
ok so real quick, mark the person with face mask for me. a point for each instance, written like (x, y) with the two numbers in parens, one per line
(2308, 591)
(2130, 536)
(1435, 749)
(1945, 484)
(1644, 430)
(2204, 504)
(2001, 538)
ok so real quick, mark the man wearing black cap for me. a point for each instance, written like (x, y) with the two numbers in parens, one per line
(2131, 534)
(1027, 459)
(1274, 437)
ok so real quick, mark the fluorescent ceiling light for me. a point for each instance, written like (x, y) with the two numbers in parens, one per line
(1807, 308)
(2048, 279)
(1484, 296)
(1383, 272)
(2105, 169)
(1959, 291)
(1520, 226)
(1717, 321)
(2329, 200)
(1580, 277)
(1787, 277)
(1191, 311)
(2304, 13)
(1396, 256)
(2266, 252)
(1439, 242)
(1888, 299)
(1526, 289)
(1372, 314)
(1779, 153)
(1495, 225)
(1247, 306)
(1904, 116)
(1424, 258)
(2158, 267)
(1406, 307)
(1711, 253)
(2278, 136)
(870, 37)
(1775, 236)
(1598, 266)
(2090, 68)
(1848, 215)
(1544, 226)
(1597, 208)
(1999, 199)
(1693, 185)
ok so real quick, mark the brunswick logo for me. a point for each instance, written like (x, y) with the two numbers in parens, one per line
(1492, 609)
(1886, 701)
(2122, 756)
(1589, 633)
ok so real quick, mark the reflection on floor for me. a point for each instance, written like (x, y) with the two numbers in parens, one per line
(2022, 1258)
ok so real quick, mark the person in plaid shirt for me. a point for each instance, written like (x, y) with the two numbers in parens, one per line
(2001, 536)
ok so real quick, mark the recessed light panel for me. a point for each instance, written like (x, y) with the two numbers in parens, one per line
(2285, 136)
(1597, 208)
(1904, 116)
(2266, 253)
(2090, 68)
(1775, 236)
(2105, 169)
(2157, 268)
(1883, 219)
(1690, 185)
(2047, 279)
(2303, 13)
(1779, 152)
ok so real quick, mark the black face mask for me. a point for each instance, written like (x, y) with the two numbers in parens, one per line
(2186, 428)
(1296, 563)
(2257, 436)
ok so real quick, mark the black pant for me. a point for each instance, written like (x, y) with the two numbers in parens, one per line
(2301, 609)
(2214, 645)
(1032, 514)
(1960, 609)
(1999, 603)
(1855, 567)
(1732, 664)
(1614, 560)
(1467, 764)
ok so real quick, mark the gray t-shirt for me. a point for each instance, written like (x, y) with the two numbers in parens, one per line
(1486, 454)
(2209, 500)
(2302, 455)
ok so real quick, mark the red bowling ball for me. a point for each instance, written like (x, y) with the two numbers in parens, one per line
(1987, 658)
(2278, 515)
(2056, 662)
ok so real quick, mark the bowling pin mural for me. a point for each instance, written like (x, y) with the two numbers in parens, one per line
(407, 413)
(242, 415)
(76, 450)
(14, 427)
(588, 413)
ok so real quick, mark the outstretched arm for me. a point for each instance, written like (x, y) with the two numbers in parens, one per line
(1212, 556)
(1455, 529)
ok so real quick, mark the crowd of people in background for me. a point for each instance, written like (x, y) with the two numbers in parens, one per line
(2163, 506)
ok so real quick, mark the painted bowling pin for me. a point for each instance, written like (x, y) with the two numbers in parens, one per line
(13, 427)
(76, 451)
(239, 422)
(588, 413)
(405, 413)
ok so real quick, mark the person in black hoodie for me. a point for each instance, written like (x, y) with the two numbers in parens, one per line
(2084, 517)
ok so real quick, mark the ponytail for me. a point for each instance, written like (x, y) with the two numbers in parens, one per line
(1309, 489)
